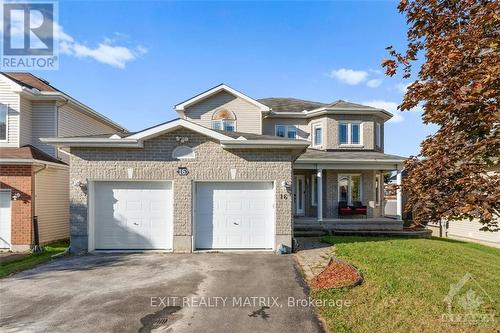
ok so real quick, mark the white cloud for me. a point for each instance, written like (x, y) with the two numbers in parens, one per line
(349, 76)
(105, 52)
(392, 107)
(402, 87)
(374, 83)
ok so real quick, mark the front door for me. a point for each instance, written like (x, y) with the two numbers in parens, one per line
(299, 194)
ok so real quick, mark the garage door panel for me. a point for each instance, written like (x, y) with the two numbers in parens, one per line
(234, 215)
(133, 215)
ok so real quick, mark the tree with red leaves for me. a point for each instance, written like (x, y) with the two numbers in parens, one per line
(457, 174)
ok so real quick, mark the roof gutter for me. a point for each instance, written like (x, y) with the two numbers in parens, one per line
(93, 142)
(247, 144)
(330, 160)
(16, 161)
(320, 112)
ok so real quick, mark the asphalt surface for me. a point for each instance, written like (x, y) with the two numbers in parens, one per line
(207, 292)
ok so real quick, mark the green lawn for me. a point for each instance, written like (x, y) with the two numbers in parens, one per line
(406, 281)
(31, 260)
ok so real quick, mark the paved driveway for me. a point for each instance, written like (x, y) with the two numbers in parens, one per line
(215, 292)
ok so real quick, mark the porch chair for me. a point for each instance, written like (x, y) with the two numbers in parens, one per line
(359, 209)
(344, 209)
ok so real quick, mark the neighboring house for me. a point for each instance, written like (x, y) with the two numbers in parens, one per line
(232, 173)
(34, 176)
(468, 230)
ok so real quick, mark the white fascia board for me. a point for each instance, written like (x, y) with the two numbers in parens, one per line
(263, 144)
(92, 142)
(326, 111)
(222, 87)
(348, 166)
(347, 161)
(12, 161)
(173, 125)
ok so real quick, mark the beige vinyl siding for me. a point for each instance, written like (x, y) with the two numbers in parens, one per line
(73, 122)
(469, 230)
(43, 115)
(52, 204)
(11, 99)
(248, 116)
(303, 129)
(25, 134)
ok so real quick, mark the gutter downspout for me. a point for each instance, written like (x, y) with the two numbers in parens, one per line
(34, 231)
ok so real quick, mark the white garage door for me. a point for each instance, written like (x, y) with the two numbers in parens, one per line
(234, 216)
(5, 219)
(133, 215)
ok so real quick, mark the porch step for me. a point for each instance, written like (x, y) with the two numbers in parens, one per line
(307, 227)
(309, 233)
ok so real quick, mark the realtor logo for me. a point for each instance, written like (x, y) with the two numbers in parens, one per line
(28, 40)
(467, 301)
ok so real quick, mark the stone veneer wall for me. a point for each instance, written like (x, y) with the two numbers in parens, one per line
(155, 162)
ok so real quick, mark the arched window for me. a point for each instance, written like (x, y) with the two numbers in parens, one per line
(224, 120)
(183, 152)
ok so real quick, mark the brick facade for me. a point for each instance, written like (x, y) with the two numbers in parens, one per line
(155, 162)
(18, 179)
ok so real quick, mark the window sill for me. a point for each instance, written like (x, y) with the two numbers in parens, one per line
(348, 145)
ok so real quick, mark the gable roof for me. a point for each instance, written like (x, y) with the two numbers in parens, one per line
(37, 88)
(136, 140)
(30, 81)
(215, 90)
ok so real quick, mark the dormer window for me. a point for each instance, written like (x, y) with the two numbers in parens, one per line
(350, 133)
(286, 131)
(224, 120)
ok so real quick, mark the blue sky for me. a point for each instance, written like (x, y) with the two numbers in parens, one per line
(133, 61)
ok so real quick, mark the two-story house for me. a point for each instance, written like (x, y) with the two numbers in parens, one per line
(34, 176)
(232, 172)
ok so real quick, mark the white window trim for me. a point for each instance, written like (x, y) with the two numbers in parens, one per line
(221, 121)
(286, 130)
(377, 179)
(349, 130)
(349, 189)
(313, 143)
(314, 203)
(7, 124)
(378, 135)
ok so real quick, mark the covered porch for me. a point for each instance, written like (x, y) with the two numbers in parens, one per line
(345, 190)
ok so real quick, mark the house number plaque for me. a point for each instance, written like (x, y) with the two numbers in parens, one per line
(183, 171)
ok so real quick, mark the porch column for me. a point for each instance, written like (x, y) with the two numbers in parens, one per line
(320, 195)
(399, 197)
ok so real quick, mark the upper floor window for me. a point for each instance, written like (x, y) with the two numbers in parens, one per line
(350, 133)
(224, 120)
(286, 131)
(3, 121)
(378, 135)
(317, 132)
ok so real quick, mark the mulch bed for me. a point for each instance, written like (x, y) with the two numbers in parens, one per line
(337, 274)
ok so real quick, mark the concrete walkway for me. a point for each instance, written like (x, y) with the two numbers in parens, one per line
(313, 256)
